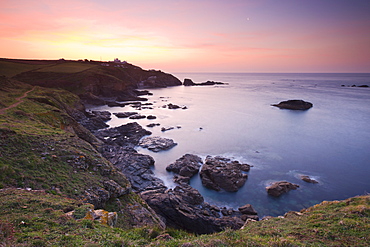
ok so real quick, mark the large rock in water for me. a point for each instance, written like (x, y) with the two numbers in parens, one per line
(294, 105)
(188, 82)
(156, 143)
(186, 166)
(281, 187)
(221, 173)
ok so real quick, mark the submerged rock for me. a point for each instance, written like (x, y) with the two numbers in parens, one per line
(294, 105)
(221, 173)
(281, 187)
(156, 143)
(308, 179)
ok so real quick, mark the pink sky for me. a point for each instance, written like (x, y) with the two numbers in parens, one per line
(193, 35)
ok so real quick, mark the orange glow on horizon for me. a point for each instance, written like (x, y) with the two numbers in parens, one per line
(236, 36)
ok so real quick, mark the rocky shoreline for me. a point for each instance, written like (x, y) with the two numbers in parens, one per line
(181, 207)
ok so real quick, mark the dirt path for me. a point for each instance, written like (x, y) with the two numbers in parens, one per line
(19, 100)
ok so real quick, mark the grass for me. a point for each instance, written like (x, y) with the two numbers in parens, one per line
(37, 218)
(11, 68)
(68, 67)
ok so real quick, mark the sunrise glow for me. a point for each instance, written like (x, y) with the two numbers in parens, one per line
(213, 36)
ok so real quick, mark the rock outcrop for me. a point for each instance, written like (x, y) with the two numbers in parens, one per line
(127, 135)
(186, 166)
(294, 105)
(281, 187)
(179, 213)
(221, 173)
(135, 166)
(156, 143)
(87, 212)
(188, 82)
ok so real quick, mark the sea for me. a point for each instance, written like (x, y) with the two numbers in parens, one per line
(329, 142)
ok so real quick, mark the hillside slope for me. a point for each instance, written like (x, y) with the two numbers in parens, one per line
(90, 80)
(42, 147)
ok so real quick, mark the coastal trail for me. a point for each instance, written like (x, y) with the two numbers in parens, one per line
(19, 100)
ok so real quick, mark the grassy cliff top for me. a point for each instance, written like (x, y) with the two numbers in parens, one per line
(36, 218)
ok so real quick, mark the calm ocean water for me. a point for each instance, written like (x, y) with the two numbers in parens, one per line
(330, 142)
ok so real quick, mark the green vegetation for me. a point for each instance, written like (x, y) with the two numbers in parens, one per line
(68, 67)
(37, 218)
(11, 68)
(53, 160)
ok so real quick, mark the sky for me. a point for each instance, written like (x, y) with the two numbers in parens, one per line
(193, 35)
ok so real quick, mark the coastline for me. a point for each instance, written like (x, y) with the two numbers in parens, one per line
(253, 156)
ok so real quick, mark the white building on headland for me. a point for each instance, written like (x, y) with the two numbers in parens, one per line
(118, 63)
(116, 60)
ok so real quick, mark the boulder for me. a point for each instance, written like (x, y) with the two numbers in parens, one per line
(281, 187)
(308, 179)
(247, 209)
(173, 106)
(294, 105)
(164, 129)
(102, 216)
(156, 143)
(221, 173)
(186, 166)
(124, 114)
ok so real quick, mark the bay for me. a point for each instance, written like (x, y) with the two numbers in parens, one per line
(329, 142)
